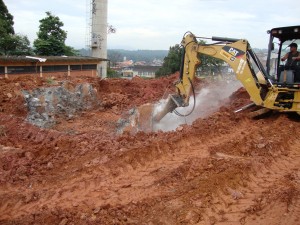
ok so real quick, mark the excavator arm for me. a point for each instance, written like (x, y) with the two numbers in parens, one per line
(237, 53)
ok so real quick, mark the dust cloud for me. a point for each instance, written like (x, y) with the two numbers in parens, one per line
(208, 100)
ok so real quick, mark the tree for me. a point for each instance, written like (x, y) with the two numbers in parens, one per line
(6, 30)
(172, 61)
(15, 45)
(51, 38)
(22, 45)
(6, 20)
(11, 43)
(70, 51)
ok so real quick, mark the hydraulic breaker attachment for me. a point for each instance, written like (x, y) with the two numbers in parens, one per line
(144, 117)
(173, 101)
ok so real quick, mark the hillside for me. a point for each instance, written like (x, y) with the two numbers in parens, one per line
(118, 55)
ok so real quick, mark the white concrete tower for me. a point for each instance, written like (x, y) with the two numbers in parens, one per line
(99, 34)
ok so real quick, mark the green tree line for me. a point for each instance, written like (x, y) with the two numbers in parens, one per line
(50, 37)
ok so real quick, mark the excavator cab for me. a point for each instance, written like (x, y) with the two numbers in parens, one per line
(283, 73)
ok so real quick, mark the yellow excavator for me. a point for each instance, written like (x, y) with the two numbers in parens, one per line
(273, 87)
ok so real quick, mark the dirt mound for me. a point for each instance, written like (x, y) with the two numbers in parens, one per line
(222, 168)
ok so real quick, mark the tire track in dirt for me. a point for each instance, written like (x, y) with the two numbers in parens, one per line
(278, 191)
(108, 185)
(271, 195)
(188, 181)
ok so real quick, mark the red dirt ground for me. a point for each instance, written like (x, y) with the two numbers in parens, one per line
(224, 169)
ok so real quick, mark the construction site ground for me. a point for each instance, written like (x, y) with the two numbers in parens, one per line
(223, 168)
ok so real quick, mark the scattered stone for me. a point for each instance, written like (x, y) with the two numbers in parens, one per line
(64, 221)
(29, 155)
(96, 210)
(50, 165)
(260, 146)
(9, 95)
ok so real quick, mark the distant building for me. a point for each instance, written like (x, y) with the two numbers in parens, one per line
(128, 68)
(145, 71)
(125, 63)
(157, 62)
(137, 70)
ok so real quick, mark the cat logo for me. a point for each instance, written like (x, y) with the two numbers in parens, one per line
(234, 51)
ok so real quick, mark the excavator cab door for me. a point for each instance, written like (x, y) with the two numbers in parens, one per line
(281, 71)
(290, 69)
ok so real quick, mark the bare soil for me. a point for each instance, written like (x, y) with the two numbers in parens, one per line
(224, 168)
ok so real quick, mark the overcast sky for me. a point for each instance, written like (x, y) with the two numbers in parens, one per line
(159, 24)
